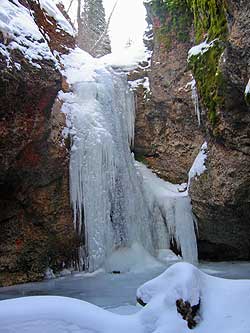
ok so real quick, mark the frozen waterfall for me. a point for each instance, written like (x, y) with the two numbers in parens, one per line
(111, 208)
(172, 214)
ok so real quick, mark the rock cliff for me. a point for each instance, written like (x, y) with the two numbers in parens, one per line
(166, 123)
(36, 229)
(167, 131)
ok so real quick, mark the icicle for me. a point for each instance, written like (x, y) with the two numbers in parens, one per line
(195, 99)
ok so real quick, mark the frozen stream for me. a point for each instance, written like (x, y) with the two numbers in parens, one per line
(115, 292)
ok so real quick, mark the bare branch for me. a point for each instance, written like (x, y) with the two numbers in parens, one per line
(69, 6)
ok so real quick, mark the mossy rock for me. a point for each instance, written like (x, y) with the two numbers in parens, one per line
(209, 78)
(209, 19)
(175, 18)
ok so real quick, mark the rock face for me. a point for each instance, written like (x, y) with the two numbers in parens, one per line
(166, 123)
(36, 228)
(221, 196)
(167, 132)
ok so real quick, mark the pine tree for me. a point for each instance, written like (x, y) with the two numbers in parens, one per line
(92, 28)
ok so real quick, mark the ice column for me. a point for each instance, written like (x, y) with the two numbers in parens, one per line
(106, 194)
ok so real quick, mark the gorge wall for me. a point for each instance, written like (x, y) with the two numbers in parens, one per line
(36, 229)
(168, 135)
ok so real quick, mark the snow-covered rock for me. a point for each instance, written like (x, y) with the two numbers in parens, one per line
(50, 7)
(18, 26)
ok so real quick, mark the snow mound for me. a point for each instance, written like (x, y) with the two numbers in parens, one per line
(224, 304)
(181, 280)
(224, 308)
(127, 59)
(133, 259)
(60, 315)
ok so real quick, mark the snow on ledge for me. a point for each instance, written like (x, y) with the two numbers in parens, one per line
(198, 166)
(200, 48)
(50, 7)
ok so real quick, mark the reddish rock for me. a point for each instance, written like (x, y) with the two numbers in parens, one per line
(36, 228)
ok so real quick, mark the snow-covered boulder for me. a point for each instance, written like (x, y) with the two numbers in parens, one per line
(220, 305)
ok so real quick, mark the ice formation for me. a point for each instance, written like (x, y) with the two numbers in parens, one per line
(109, 207)
(112, 208)
(195, 99)
(172, 214)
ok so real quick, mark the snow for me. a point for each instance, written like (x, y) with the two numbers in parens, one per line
(247, 90)
(200, 49)
(133, 259)
(140, 82)
(198, 167)
(50, 7)
(224, 307)
(127, 59)
(60, 314)
(224, 303)
(18, 25)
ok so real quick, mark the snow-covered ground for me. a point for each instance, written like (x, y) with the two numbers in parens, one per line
(224, 303)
